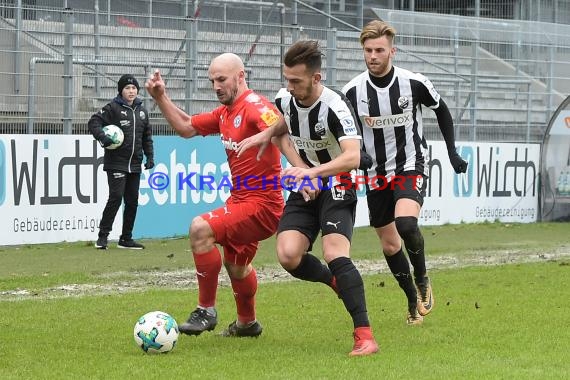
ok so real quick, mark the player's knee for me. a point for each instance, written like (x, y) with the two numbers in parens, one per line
(391, 248)
(290, 249)
(390, 239)
(238, 272)
(200, 232)
(408, 228)
(288, 258)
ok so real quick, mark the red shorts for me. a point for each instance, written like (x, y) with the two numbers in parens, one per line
(239, 226)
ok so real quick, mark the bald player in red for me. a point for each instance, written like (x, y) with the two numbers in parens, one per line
(252, 211)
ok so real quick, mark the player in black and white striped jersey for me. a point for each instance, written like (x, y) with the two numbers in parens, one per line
(388, 101)
(320, 139)
(317, 131)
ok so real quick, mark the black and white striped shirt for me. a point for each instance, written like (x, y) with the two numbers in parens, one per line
(316, 131)
(391, 120)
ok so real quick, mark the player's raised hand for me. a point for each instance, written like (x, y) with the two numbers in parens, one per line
(155, 85)
(261, 139)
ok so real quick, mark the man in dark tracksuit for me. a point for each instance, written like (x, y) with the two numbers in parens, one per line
(123, 164)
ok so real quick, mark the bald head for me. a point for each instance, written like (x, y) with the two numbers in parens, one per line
(228, 60)
(227, 75)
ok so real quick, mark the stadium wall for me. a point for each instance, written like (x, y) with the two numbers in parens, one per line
(53, 189)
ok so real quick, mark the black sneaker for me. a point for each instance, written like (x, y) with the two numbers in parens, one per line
(129, 244)
(101, 242)
(198, 322)
(253, 330)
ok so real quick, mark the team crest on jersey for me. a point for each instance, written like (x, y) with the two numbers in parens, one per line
(142, 115)
(338, 193)
(403, 102)
(237, 121)
(320, 129)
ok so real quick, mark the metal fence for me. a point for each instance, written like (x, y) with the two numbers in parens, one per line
(501, 78)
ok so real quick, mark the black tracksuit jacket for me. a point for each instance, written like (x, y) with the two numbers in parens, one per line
(133, 120)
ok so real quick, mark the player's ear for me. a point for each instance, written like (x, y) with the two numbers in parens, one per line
(241, 75)
(317, 77)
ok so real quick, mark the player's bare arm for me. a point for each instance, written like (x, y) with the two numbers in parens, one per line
(283, 142)
(348, 160)
(263, 138)
(177, 118)
(287, 149)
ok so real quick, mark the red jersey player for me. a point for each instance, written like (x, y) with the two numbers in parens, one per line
(255, 205)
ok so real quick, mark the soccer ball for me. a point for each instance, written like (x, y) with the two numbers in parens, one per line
(156, 332)
(116, 134)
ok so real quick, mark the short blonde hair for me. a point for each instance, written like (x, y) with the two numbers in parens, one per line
(377, 29)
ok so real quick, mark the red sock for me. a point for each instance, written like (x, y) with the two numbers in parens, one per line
(244, 294)
(208, 266)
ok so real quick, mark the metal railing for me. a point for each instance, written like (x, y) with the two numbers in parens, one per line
(68, 68)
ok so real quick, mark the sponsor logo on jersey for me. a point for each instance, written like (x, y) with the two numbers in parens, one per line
(125, 123)
(269, 117)
(433, 92)
(348, 126)
(388, 121)
(403, 102)
(229, 144)
(307, 144)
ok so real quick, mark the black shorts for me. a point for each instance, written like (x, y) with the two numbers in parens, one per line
(333, 211)
(382, 202)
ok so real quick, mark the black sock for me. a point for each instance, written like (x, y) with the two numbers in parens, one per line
(350, 289)
(400, 268)
(408, 229)
(312, 269)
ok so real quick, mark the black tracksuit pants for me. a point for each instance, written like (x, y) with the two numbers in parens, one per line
(122, 186)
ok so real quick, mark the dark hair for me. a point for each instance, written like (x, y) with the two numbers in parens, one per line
(305, 52)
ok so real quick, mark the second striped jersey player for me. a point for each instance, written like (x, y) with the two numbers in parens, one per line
(390, 116)
(389, 101)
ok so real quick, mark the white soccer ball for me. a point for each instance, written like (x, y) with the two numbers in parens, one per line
(156, 332)
(116, 134)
